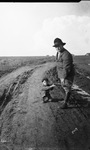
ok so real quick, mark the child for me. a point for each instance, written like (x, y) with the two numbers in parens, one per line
(46, 88)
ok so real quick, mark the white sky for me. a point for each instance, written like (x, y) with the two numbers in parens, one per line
(29, 29)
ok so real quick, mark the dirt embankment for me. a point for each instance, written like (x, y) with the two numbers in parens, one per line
(28, 124)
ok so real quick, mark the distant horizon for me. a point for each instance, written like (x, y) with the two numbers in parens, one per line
(39, 56)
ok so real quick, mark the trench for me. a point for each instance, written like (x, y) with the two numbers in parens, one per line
(13, 89)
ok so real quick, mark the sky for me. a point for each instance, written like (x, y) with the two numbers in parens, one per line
(29, 29)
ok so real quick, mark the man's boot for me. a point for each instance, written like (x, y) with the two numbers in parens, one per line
(66, 100)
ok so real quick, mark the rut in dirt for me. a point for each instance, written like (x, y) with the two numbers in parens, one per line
(27, 123)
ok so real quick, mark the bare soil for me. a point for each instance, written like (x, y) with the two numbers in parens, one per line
(26, 123)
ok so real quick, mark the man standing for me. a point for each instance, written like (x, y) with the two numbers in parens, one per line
(65, 68)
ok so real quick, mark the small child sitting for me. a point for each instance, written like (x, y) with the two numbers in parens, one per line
(46, 88)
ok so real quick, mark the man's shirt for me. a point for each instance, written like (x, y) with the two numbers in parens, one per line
(65, 63)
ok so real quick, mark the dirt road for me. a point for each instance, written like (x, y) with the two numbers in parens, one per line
(26, 123)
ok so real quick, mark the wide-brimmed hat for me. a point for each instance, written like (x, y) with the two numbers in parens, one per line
(58, 42)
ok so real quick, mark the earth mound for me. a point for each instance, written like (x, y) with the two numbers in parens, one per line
(26, 123)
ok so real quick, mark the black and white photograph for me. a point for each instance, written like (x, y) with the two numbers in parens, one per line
(45, 75)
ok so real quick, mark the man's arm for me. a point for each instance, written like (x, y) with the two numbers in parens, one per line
(47, 87)
(67, 63)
